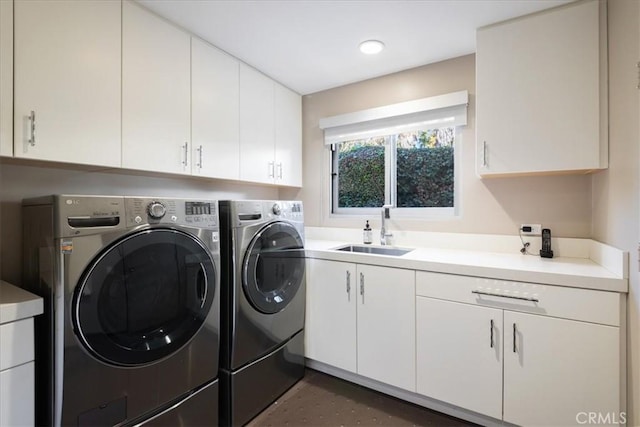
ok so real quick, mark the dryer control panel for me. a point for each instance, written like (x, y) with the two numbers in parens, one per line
(198, 213)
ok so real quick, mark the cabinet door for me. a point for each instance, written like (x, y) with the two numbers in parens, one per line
(6, 78)
(288, 115)
(556, 369)
(541, 93)
(215, 115)
(330, 326)
(67, 57)
(257, 127)
(156, 89)
(386, 325)
(17, 393)
(459, 354)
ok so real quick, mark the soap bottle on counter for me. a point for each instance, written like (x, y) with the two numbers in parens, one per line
(367, 234)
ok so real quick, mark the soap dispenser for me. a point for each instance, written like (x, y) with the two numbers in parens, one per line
(367, 234)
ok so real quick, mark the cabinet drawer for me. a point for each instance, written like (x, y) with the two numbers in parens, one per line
(557, 301)
(16, 343)
(17, 392)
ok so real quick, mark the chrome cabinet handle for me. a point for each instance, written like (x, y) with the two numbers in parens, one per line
(280, 170)
(505, 296)
(484, 154)
(515, 350)
(491, 333)
(348, 285)
(32, 120)
(271, 170)
(200, 157)
(362, 286)
(185, 147)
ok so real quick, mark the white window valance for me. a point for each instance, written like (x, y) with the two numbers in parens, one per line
(426, 113)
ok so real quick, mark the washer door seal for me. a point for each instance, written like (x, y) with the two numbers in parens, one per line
(273, 267)
(144, 297)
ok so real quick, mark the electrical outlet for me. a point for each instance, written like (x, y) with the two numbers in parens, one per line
(531, 229)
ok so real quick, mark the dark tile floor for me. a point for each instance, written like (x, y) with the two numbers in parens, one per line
(322, 400)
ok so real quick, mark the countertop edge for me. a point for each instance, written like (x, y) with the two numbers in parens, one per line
(17, 304)
(605, 280)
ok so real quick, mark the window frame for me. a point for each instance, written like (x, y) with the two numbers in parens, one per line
(391, 184)
(446, 110)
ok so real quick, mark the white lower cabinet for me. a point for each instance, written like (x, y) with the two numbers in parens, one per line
(17, 392)
(330, 327)
(525, 353)
(361, 318)
(557, 371)
(459, 354)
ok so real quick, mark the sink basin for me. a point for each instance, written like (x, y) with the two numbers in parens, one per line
(377, 250)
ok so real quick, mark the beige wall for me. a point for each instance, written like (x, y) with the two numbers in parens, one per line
(496, 206)
(616, 193)
(18, 181)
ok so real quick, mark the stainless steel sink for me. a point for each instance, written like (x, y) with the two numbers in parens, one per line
(377, 250)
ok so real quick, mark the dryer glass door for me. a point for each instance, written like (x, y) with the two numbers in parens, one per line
(273, 268)
(144, 297)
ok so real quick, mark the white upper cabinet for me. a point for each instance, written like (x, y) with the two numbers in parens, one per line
(67, 81)
(6, 78)
(541, 93)
(288, 118)
(156, 93)
(215, 115)
(257, 126)
(270, 130)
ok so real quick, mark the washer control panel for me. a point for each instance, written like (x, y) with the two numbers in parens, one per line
(197, 213)
(246, 212)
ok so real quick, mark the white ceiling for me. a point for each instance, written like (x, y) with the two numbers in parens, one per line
(312, 45)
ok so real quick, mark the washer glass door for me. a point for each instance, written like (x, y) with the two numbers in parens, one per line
(273, 268)
(144, 297)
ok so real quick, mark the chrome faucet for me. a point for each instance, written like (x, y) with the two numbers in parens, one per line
(385, 235)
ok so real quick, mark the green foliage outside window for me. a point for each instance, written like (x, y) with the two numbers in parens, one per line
(361, 174)
(424, 170)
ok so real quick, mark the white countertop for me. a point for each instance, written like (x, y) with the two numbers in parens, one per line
(16, 303)
(561, 271)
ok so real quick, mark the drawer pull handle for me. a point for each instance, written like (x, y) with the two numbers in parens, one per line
(505, 296)
(362, 286)
(515, 350)
(491, 333)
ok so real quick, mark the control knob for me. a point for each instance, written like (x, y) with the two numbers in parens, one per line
(156, 210)
(276, 209)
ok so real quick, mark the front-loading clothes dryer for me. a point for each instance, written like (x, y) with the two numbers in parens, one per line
(262, 305)
(131, 286)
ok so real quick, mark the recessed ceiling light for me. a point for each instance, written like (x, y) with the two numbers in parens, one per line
(371, 47)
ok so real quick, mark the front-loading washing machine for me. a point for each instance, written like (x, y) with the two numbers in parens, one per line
(130, 333)
(262, 305)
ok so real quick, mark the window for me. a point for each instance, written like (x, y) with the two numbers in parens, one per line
(405, 160)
